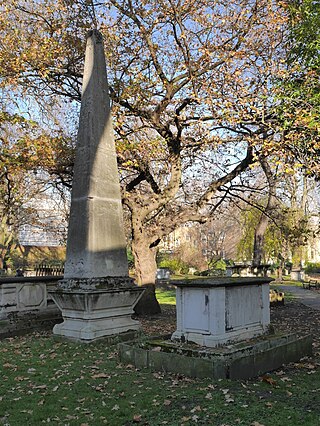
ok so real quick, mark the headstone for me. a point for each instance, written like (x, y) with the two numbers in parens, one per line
(96, 296)
(163, 274)
(297, 274)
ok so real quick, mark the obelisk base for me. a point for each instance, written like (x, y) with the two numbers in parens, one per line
(92, 314)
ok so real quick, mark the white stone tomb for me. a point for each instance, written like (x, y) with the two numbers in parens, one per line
(214, 312)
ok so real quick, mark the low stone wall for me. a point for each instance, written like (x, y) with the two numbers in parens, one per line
(25, 304)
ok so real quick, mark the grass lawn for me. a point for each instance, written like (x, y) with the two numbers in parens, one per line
(166, 297)
(44, 381)
(48, 382)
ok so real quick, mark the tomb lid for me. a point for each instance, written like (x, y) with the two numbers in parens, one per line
(222, 282)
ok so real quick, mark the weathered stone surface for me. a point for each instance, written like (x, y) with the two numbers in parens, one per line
(213, 312)
(96, 244)
(25, 305)
(18, 294)
(236, 361)
(87, 284)
(96, 296)
(92, 315)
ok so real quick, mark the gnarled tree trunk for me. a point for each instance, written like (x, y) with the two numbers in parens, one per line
(146, 268)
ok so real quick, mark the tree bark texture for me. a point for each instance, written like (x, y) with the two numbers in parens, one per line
(146, 268)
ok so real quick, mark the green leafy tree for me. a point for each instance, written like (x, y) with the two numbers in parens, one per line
(249, 221)
(298, 107)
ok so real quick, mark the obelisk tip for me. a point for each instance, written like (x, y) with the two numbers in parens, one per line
(96, 34)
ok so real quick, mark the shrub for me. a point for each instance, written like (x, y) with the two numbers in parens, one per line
(219, 264)
(176, 266)
(313, 267)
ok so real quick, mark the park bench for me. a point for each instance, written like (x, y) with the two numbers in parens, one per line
(43, 270)
(311, 283)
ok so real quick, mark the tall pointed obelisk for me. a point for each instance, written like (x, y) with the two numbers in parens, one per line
(96, 244)
(96, 295)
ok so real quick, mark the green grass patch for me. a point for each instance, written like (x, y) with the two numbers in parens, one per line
(166, 297)
(48, 382)
(288, 282)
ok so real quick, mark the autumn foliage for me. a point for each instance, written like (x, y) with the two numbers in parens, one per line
(192, 86)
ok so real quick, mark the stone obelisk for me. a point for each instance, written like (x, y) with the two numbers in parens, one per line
(97, 295)
(96, 243)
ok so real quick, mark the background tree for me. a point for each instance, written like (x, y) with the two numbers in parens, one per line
(269, 211)
(298, 96)
(287, 225)
(30, 159)
(8, 242)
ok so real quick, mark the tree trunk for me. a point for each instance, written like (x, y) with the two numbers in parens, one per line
(259, 240)
(146, 268)
(264, 218)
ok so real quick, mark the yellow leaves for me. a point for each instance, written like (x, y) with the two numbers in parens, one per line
(130, 163)
(269, 380)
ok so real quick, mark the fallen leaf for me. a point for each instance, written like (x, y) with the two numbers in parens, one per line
(269, 380)
(285, 379)
(100, 376)
(137, 418)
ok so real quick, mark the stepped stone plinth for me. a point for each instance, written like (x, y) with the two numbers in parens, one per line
(223, 332)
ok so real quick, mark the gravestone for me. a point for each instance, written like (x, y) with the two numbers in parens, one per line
(96, 296)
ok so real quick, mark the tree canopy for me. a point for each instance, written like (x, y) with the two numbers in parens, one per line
(193, 91)
(299, 88)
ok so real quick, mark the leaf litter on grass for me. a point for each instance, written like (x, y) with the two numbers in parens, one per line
(87, 382)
